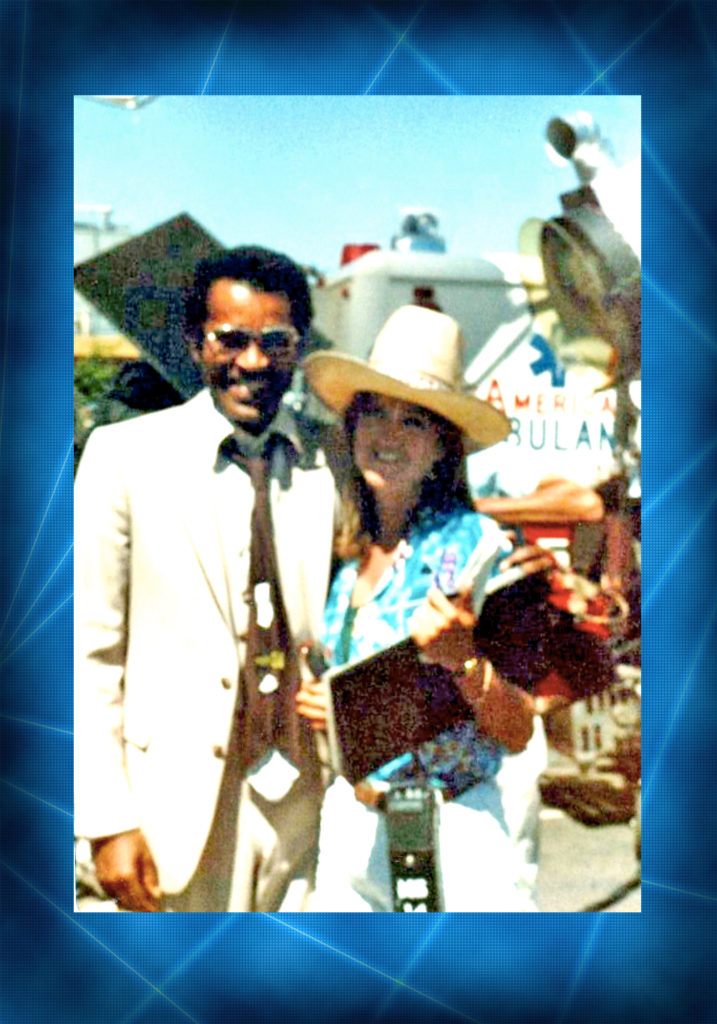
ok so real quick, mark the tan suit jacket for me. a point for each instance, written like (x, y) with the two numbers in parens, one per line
(161, 563)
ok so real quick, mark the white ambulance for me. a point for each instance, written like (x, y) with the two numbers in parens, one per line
(560, 423)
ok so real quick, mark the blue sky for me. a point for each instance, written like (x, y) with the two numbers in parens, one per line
(305, 174)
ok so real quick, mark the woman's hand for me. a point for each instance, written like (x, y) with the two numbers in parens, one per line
(503, 711)
(443, 629)
(311, 703)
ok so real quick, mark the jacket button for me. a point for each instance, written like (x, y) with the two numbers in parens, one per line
(226, 683)
(218, 751)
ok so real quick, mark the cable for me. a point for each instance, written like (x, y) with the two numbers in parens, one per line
(615, 895)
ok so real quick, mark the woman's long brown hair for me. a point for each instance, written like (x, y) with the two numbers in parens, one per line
(444, 488)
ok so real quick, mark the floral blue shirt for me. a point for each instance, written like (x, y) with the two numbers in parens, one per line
(434, 554)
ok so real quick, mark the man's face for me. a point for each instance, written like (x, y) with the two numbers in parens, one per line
(247, 365)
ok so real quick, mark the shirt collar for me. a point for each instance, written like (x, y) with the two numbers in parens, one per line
(283, 429)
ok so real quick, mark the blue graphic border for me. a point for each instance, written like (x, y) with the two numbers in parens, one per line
(655, 966)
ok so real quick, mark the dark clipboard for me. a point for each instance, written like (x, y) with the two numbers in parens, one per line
(389, 703)
(386, 704)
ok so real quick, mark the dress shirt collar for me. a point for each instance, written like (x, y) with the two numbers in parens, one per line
(217, 432)
(281, 430)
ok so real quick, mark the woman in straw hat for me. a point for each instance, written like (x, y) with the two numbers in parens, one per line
(407, 530)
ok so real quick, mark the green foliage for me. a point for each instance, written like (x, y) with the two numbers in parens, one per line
(93, 376)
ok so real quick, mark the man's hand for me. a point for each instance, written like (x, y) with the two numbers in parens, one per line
(530, 557)
(443, 629)
(126, 870)
(555, 500)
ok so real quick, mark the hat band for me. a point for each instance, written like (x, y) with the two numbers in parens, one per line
(412, 379)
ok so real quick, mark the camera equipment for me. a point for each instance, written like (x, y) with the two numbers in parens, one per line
(412, 819)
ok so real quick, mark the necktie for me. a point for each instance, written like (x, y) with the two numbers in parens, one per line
(256, 466)
(270, 675)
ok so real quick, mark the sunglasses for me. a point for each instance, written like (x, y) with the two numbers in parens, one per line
(273, 341)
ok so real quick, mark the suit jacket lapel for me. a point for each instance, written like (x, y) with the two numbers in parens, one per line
(215, 504)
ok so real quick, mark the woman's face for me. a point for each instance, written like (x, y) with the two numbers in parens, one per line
(395, 446)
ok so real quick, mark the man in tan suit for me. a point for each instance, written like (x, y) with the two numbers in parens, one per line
(203, 542)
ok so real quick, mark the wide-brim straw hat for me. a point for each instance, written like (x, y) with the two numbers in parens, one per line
(417, 357)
